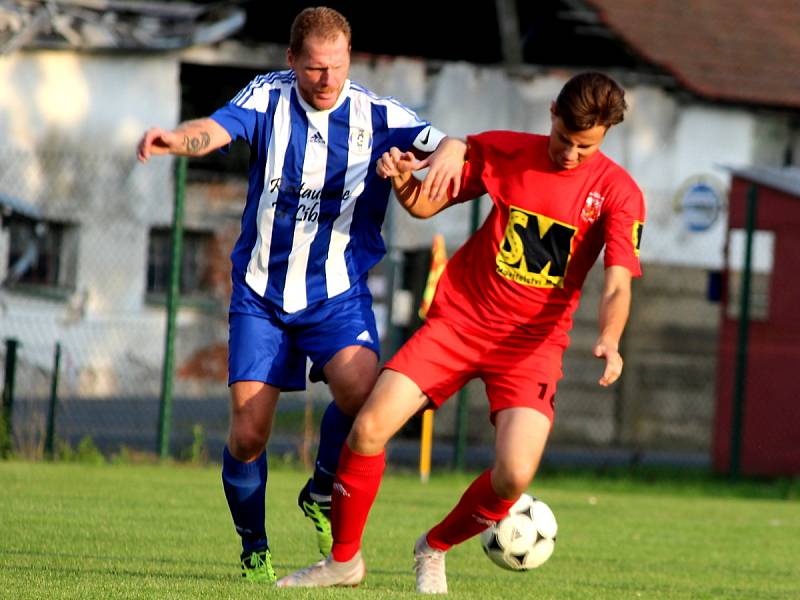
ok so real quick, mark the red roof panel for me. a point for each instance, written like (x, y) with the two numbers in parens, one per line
(731, 50)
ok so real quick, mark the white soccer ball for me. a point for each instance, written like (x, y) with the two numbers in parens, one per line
(524, 539)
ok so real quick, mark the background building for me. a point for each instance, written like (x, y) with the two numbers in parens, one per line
(94, 225)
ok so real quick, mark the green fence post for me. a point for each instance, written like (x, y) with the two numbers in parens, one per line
(51, 410)
(173, 299)
(740, 373)
(463, 398)
(7, 427)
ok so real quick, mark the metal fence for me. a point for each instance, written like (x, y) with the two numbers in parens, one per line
(84, 255)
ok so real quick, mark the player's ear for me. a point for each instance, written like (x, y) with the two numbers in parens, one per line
(290, 58)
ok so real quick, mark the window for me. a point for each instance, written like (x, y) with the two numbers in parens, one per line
(40, 254)
(195, 262)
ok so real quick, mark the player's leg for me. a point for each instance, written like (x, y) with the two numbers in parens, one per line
(244, 472)
(351, 374)
(520, 438)
(393, 401)
(260, 363)
(341, 337)
(434, 360)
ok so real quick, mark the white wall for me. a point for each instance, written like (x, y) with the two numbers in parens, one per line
(100, 102)
(69, 124)
(98, 106)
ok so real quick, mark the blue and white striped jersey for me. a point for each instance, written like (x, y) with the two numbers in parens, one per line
(311, 225)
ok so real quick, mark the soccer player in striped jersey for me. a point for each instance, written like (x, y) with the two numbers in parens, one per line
(311, 230)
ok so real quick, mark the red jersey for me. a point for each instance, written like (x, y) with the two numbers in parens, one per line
(520, 275)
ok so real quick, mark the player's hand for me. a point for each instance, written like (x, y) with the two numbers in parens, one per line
(443, 180)
(396, 164)
(154, 141)
(610, 352)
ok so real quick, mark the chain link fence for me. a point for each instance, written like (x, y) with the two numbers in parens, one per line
(84, 264)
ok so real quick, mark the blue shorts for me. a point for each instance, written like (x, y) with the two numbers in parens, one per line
(270, 345)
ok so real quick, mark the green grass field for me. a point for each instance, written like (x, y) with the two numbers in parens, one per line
(148, 531)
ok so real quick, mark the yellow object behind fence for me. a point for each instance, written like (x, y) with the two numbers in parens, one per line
(438, 262)
(426, 445)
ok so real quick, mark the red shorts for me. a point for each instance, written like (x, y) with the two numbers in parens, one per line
(441, 359)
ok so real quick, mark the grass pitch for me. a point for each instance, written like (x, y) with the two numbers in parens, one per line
(144, 531)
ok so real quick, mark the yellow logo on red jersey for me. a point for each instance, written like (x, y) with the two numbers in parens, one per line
(535, 250)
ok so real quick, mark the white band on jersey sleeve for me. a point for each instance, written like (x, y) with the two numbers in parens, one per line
(428, 139)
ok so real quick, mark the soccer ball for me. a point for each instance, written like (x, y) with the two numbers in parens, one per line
(524, 539)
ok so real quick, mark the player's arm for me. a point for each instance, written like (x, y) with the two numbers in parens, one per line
(443, 180)
(191, 138)
(615, 304)
(443, 177)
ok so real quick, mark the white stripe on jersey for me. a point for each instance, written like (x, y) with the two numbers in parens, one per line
(258, 267)
(336, 276)
(256, 94)
(313, 178)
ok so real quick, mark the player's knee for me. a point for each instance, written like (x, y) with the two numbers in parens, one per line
(367, 435)
(511, 482)
(246, 443)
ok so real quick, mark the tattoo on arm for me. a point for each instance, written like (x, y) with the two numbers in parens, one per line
(194, 144)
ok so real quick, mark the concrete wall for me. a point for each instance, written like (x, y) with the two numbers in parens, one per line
(70, 123)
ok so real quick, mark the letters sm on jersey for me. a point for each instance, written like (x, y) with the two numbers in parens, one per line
(535, 250)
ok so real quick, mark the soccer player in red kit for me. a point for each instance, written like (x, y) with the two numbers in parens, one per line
(502, 312)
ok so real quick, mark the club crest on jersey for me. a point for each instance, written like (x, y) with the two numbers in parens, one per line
(592, 207)
(360, 140)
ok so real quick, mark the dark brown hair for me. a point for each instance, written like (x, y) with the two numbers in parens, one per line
(590, 99)
(320, 21)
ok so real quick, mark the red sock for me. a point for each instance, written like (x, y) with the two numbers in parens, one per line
(358, 478)
(478, 508)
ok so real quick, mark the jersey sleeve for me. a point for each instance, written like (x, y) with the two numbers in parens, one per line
(237, 121)
(239, 117)
(408, 131)
(472, 184)
(623, 227)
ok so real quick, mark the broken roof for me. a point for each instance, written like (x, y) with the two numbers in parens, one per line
(114, 24)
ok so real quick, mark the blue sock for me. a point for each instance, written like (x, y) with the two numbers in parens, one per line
(332, 433)
(245, 487)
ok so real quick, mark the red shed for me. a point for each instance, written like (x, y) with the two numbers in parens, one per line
(770, 403)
